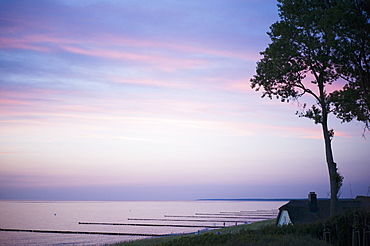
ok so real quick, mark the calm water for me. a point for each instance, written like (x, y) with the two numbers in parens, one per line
(64, 216)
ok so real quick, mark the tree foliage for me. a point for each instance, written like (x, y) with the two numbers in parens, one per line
(351, 46)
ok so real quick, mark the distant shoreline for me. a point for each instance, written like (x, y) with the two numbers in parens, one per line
(261, 199)
(251, 200)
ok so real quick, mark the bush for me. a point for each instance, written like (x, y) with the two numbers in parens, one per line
(341, 226)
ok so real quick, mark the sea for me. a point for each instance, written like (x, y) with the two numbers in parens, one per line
(107, 222)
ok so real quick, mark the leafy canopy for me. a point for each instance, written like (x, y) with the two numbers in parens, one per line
(315, 44)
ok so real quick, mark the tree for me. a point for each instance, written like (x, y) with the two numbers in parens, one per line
(301, 60)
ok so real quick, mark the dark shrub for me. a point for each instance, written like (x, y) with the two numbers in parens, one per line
(341, 226)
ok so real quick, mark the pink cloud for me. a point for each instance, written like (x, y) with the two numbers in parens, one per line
(149, 82)
(8, 153)
(184, 48)
(19, 94)
(5, 101)
(165, 62)
(35, 102)
(16, 43)
(16, 107)
(225, 84)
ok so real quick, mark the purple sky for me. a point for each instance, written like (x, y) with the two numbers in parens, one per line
(150, 100)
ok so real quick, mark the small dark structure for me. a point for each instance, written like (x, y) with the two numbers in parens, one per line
(313, 209)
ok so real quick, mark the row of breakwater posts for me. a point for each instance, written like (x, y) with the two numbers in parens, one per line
(87, 232)
(163, 225)
(241, 217)
(191, 220)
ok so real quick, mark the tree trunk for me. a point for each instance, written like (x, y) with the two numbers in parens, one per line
(332, 168)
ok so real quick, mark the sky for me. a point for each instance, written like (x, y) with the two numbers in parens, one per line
(151, 100)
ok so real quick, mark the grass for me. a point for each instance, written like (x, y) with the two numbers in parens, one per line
(232, 229)
(241, 235)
